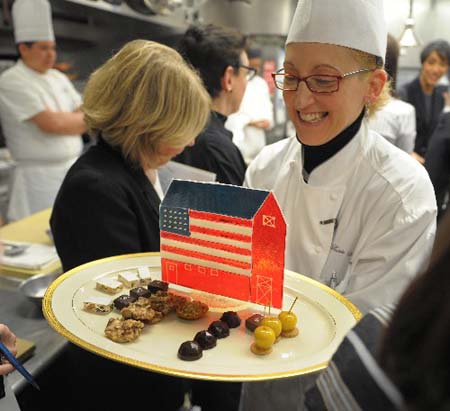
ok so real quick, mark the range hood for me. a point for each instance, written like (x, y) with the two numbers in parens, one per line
(254, 17)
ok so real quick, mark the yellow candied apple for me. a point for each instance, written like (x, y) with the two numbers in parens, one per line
(288, 320)
(274, 323)
(264, 337)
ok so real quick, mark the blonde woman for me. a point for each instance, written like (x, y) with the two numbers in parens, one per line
(143, 106)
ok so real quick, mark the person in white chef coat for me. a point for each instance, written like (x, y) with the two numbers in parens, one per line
(255, 114)
(361, 213)
(396, 121)
(39, 109)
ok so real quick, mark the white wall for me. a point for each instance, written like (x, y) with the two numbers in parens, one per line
(432, 22)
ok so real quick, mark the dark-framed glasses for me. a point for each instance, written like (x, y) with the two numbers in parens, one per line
(315, 83)
(251, 72)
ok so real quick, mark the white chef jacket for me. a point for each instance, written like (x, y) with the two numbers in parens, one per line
(396, 122)
(256, 105)
(366, 217)
(367, 214)
(42, 158)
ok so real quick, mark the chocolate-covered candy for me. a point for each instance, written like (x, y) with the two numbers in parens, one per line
(205, 339)
(140, 292)
(219, 329)
(190, 351)
(157, 285)
(231, 318)
(253, 321)
(124, 301)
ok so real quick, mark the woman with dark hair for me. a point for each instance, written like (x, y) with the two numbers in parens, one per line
(219, 56)
(396, 121)
(426, 95)
(416, 347)
(396, 361)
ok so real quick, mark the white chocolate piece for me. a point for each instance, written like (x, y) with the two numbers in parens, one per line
(98, 304)
(129, 279)
(108, 285)
(144, 275)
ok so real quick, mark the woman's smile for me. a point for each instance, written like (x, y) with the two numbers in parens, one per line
(312, 118)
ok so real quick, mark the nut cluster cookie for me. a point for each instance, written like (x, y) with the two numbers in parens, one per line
(192, 310)
(139, 310)
(123, 331)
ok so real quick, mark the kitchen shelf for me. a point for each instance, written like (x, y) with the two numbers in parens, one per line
(176, 19)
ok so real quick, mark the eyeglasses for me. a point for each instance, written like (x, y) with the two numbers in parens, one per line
(251, 71)
(315, 83)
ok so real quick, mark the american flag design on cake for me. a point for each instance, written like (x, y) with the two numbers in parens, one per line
(223, 239)
(208, 239)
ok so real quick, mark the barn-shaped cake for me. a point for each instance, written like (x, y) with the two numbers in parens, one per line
(223, 239)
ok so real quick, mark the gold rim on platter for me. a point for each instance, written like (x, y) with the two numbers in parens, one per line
(329, 309)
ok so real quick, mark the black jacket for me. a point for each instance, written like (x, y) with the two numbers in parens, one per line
(215, 151)
(104, 207)
(437, 161)
(412, 93)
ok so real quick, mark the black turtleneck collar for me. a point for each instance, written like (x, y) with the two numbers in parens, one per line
(314, 156)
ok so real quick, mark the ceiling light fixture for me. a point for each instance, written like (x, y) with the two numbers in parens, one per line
(408, 37)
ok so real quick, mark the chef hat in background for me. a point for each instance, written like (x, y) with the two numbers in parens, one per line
(358, 24)
(254, 53)
(32, 21)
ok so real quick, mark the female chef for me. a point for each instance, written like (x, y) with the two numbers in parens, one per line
(360, 212)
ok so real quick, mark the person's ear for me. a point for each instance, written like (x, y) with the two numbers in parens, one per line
(377, 81)
(227, 79)
(22, 48)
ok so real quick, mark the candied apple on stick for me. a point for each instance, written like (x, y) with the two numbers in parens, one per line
(264, 339)
(289, 322)
(275, 324)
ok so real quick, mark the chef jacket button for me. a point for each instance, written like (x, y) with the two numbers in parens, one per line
(334, 196)
(317, 249)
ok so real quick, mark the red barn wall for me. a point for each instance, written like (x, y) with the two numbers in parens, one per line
(268, 246)
(206, 279)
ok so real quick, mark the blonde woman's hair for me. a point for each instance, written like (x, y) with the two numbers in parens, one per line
(143, 98)
(371, 61)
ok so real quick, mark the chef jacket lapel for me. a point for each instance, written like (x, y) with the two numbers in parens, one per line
(312, 209)
(308, 209)
(335, 173)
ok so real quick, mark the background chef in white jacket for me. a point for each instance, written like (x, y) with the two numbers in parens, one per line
(39, 109)
(360, 212)
(255, 114)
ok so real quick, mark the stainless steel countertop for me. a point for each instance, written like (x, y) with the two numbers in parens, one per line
(26, 320)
